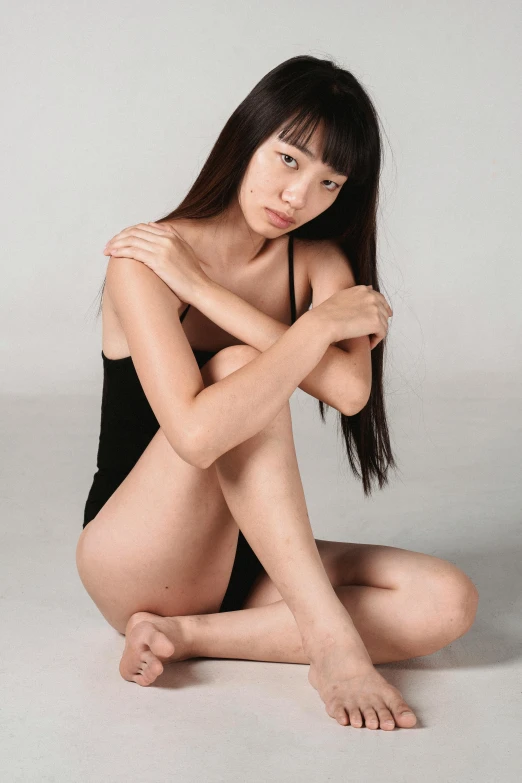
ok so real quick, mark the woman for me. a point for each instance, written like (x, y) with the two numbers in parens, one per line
(196, 539)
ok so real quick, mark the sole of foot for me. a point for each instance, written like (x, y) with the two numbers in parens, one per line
(148, 647)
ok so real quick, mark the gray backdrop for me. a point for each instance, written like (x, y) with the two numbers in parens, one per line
(111, 111)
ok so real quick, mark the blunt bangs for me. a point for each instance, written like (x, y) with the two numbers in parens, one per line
(345, 149)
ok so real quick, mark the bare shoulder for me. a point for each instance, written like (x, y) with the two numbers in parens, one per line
(124, 276)
(325, 258)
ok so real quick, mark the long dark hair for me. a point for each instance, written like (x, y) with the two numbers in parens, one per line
(297, 95)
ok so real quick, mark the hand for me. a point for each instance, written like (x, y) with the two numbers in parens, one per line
(162, 249)
(356, 311)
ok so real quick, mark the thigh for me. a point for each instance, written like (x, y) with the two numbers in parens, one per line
(165, 540)
(374, 565)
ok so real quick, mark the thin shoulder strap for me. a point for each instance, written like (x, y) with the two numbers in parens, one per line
(291, 275)
(183, 314)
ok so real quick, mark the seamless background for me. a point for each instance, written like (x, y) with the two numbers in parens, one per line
(109, 112)
(112, 109)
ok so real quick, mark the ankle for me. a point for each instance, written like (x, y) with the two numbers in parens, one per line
(319, 641)
(179, 630)
(192, 628)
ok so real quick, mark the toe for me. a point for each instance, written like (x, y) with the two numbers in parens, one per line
(150, 666)
(404, 715)
(337, 711)
(386, 721)
(370, 718)
(161, 645)
(356, 718)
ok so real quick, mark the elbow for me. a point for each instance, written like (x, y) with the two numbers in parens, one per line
(197, 451)
(357, 402)
(196, 442)
(187, 447)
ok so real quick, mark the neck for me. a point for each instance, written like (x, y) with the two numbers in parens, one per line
(226, 241)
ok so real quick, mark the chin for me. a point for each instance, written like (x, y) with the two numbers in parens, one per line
(264, 230)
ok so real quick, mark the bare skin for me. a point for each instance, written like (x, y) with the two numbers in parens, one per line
(361, 697)
(341, 630)
(372, 626)
(361, 619)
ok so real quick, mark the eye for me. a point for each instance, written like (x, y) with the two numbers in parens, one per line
(284, 155)
(335, 185)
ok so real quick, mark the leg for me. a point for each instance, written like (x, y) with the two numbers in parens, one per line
(262, 487)
(404, 604)
(411, 605)
(164, 542)
(430, 606)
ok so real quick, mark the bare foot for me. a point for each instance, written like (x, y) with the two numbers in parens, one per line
(150, 641)
(353, 691)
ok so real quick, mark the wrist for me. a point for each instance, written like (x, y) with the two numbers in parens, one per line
(322, 325)
(201, 290)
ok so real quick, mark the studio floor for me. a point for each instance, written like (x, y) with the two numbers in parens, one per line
(67, 715)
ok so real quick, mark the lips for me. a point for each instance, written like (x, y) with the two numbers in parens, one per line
(280, 216)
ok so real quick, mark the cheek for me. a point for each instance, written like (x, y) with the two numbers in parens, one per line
(263, 176)
(258, 187)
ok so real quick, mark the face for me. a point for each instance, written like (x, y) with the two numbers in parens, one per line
(290, 181)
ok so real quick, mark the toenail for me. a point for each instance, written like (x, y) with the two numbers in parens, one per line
(407, 712)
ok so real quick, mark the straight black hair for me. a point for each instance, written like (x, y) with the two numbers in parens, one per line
(296, 96)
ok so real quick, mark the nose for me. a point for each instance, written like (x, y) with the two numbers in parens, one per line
(295, 195)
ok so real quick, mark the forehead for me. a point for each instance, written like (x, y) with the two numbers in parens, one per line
(307, 140)
(311, 147)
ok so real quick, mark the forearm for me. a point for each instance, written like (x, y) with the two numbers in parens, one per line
(336, 379)
(237, 407)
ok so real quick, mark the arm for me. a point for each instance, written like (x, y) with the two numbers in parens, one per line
(342, 378)
(203, 423)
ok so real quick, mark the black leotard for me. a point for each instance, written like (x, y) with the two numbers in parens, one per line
(127, 426)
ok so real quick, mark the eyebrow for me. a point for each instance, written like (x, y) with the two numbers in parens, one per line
(309, 154)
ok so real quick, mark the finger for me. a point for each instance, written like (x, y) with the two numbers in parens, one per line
(136, 253)
(141, 229)
(386, 308)
(384, 314)
(169, 230)
(163, 226)
(166, 228)
(151, 238)
(134, 241)
(386, 305)
(381, 301)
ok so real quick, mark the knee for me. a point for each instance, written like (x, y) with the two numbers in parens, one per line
(227, 361)
(453, 600)
(460, 597)
(466, 600)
